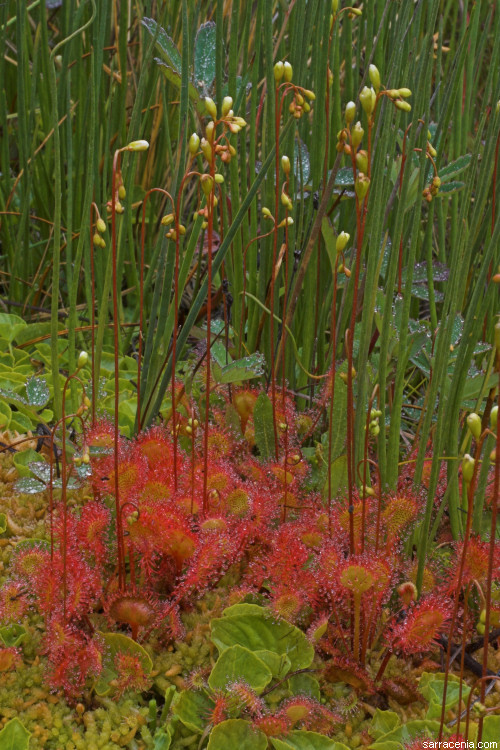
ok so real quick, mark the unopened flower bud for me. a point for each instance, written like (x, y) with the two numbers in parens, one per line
(494, 417)
(167, 219)
(211, 108)
(374, 77)
(357, 134)
(207, 149)
(335, 5)
(468, 468)
(279, 70)
(404, 106)
(342, 241)
(362, 161)
(96, 239)
(310, 94)
(207, 184)
(431, 150)
(361, 185)
(285, 164)
(219, 178)
(227, 105)
(122, 193)
(350, 112)
(286, 202)
(137, 146)
(266, 212)
(367, 101)
(100, 225)
(194, 144)
(209, 131)
(287, 222)
(83, 358)
(404, 93)
(474, 424)
(287, 72)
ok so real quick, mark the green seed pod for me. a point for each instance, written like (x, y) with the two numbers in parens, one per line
(194, 144)
(285, 164)
(207, 184)
(137, 146)
(100, 225)
(474, 424)
(366, 100)
(227, 104)
(468, 468)
(266, 212)
(210, 131)
(404, 93)
(211, 108)
(207, 149)
(350, 112)
(357, 134)
(167, 220)
(83, 358)
(362, 161)
(279, 70)
(342, 241)
(335, 6)
(287, 72)
(494, 417)
(361, 185)
(404, 106)
(374, 77)
(219, 178)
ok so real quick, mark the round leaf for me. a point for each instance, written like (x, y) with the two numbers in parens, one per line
(238, 664)
(236, 733)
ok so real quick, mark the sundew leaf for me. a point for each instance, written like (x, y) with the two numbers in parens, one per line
(14, 736)
(454, 168)
(236, 733)
(259, 632)
(204, 55)
(303, 740)
(344, 178)
(37, 391)
(236, 664)
(263, 425)
(117, 643)
(164, 44)
(41, 470)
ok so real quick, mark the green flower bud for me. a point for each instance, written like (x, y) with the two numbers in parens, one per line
(287, 72)
(227, 105)
(167, 220)
(279, 70)
(335, 6)
(474, 424)
(404, 93)
(194, 144)
(286, 202)
(266, 212)
(285, 164)
(285, 222)
(350, 112)
(219, 178)
(207, 184)
(404, 106)
(83, 358)
(210, 131)
(100, 225)
(361, 185)
(207, 149)
(362, 161)
(494, 417)
(137, 146)
(310, 94)
(357, 134)
(367, 101)
(468, 468)
(342, 241)
(211, 108)
(374, 77)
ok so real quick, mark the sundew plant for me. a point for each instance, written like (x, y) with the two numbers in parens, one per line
(249, 374)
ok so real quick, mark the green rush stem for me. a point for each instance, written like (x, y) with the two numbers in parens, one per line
(278, 103)
(210, 233)
(333, 336)
(491, 556)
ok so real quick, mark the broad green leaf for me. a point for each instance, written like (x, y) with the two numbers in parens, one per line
(164, 44)
(12, 635)
(243, 369)
(383, 722)
(23, 459)
(236, 734)
(193, 708)
(344, 178)
(161, 740)
(448, 188)
(37, 391)
(41, 471)
(454, 168)
(175, 78)
(204, 56)
(10, 326)
(432, 688)
(279, 664)
(303, 740)
(407, 732)
(491, 731)
(117, 643)
(5, 415)
(263, 425)
(304, 684)
(338, 478)
(237, 664)
(14, 736)
(261, 631)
